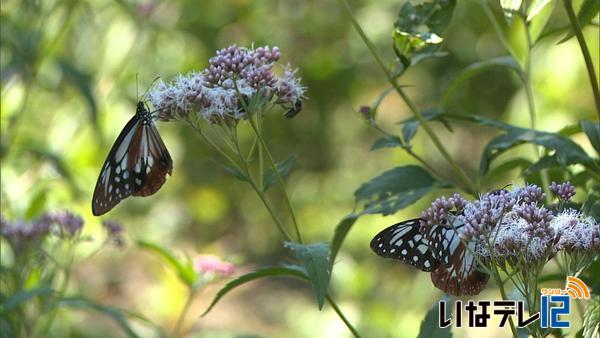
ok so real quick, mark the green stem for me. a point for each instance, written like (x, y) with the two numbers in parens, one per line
(504, 297)
(586, 53)
(470, 186)
(531, 104)
(342, 317)
(184, 311)
(259, 192)
(279, 179)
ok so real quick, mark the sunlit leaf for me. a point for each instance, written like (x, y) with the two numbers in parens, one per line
(315, 259)
(588, 11)
(430, 325)
(339, 235)
(395, 189)
(284, 168)
(419, 28)
(262, 273)
(535, 8)
(185, 270)
(592, 130)
(510, 7)
(115, 314)
(37, 204)
(23, 296)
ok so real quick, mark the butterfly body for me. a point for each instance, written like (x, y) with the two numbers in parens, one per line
(437, 249)
(137, 164)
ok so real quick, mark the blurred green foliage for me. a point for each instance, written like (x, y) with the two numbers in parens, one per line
(68, 76)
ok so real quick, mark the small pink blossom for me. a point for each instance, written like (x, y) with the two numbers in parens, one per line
(213, 265)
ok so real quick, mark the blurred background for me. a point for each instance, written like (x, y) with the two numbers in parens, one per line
(69, 86)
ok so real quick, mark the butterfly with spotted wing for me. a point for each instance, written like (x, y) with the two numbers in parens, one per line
(137, 164)
(438, 250)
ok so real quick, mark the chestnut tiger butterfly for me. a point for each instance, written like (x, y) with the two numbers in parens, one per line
(438, 250)
(137, 163)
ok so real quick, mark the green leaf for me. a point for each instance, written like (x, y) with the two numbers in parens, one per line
(476, 68)
(37, 204)
(284, 168)
(592, 130)
(314, 258)
(588, 11)
(185, 271)
(339, 235)
(23, 296)
(235, 172)
(430, 324)
(515, 163)
(375, 106)
(410, 125)
(395, 189)
(536, 7)
(115, 314)
(262, 273)
(567, 151)
(510, 7)
(545, 162)
(387, 142)
(591, 318)
(591, 206)
(418, 29)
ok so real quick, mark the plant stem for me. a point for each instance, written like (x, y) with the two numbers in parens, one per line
(586, 53)
(531, 104)
(279, 179)
(470, 186)
(259, 192)
(504, 297)
(184, 311)
(342, 317)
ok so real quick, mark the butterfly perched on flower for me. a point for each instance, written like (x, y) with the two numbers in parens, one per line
(137, 164)
(436, 249)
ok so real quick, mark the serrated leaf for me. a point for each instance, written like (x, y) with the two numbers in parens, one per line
(115, 314)
(430, 324)
(284, 168)
(418, 29)
(262, 273)
(315, 259)
(477, 68)
(591, 318)
(592, 130)
(339, 235)
(23, 296)
(567, 151)
(387, 142)
(395, 189)
(184, 270)
(588, 11)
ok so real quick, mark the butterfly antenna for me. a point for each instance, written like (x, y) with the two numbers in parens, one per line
(137, 93)
(144, 97)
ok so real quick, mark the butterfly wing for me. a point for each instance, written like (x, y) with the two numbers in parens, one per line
(404, 241)
(457, 274)
(137, 164)
(150, 160)
(114, 182)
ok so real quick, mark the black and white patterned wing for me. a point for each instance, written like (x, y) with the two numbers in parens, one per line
(114, 181)
(404, 241)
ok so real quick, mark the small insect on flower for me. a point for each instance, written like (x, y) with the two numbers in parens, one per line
(137, 164)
